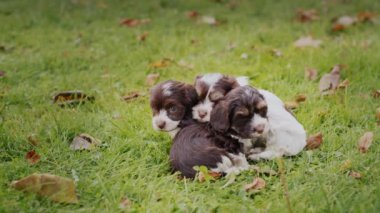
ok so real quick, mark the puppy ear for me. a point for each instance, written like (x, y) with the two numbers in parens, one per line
(219, 118)
(191, 95)
(216, 96)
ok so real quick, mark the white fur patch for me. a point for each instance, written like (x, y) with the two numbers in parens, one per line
(166, 89)
(211, 78)
(257, 121)
(162, 116)
(205, 106)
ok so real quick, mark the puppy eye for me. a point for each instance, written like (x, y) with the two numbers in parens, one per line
(173, 109)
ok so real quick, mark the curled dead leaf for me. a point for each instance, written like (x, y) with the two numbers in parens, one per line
(330, 81)
(71, 98)
(346, 165)
(143, 36)
(366, 16)
(355, 175)
(276, 53)
(344, 84)
(32, 157)
(365, 142)
(311, 74)
(151, 79)
(376, 93)
(211, 175)
(210, 20)
(256, 185)
(307, 15)
(131, 22)
(84, 142)
(2, 73)
(54, 187)
(314, 141)
(300, 98)
(307, 41)
(161, 63)
(290, 105)
(131, 95)
(343, 23)
(265, 171)
(192, 14)
(378, 113)
(184, 64)
(124, 203)
(32, 138)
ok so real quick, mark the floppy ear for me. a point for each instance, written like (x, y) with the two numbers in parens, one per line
(219, 118)
(191, 95)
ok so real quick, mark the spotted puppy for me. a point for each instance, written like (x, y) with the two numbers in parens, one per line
(171, 103)
(240, 113)
(210, 89)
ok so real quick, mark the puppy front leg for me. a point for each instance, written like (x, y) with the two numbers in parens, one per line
(240, 161)
(266, 155)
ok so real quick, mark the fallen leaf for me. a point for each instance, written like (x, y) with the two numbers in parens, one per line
(311, 74)
(355, 175)
(143, 36)
(124, 203)
(231, 46)
(130, 22)
(161, 63)
(300, 98)
(343, 23)
(307, 41)
(71, 98)
(184, 64)
(210, 20)
(366, 16)
(192, 14)
(378, 113)
(256, 185)
(32, 157)
(2, 73)
(211, 175)
(344, 84)
(330, 81)
(32, 138)
(307, 15)
(346, 165)
(54, 187)
(314, 141)
(131, 95)
(266, 171)
(84, 142)
(151, 79)
(290, 105)
(365, 142)
(244, 56)
(376, 93)
(276, 52)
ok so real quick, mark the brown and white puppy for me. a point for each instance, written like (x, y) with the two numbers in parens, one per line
(171, 103)
(211, 88)
(242, 113)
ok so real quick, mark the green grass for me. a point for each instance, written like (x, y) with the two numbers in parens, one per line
(52, 45)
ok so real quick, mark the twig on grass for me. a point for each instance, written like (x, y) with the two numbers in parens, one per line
(281, 168)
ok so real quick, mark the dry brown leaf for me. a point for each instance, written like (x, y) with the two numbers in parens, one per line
(314, 141)
(124, 203)
(366, 16)
(54, 187)
(131, 95)
(307, 41)
(343, 23)
(330, 81)
(346, 165)
(256, 185)
(192, 14)
(130, 22)
(355, 175)
(311, 74)
(307, 15)
(290, 105)
(300, 98)
(376, 93)
(276, 52)
(266, 171)
(143, 36)
(151, 79)
(210, 20)
(344, 84)
(2, 73)
(378, 113)
(71, 98)
(184, 64)
(32, 157)
(161, 63)
(84, 142)
(32, 138)
(214, 175)
(365, 142)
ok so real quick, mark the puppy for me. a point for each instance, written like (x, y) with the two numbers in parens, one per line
(242, 113)
(171, 103)
(210, 89)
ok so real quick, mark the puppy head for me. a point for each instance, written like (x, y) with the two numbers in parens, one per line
(243, 111)
(171, 103)
(210, 89)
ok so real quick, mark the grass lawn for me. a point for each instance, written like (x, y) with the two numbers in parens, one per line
(49, 46)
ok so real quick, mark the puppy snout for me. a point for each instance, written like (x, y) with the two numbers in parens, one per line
(161, 124)
(259, 128)
(202, 113)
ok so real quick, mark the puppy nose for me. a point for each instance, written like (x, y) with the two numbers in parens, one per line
(202, 113)
(161, 124)
(259, 128)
